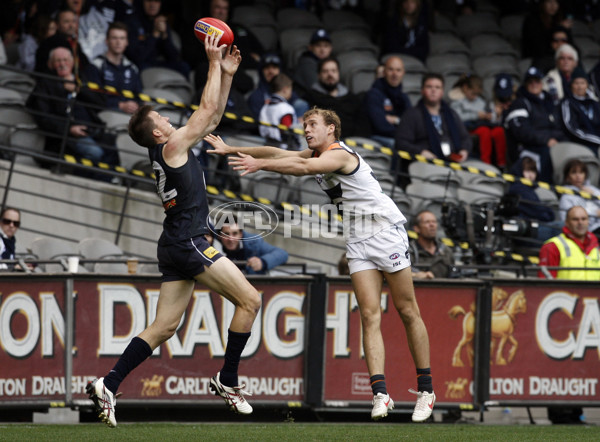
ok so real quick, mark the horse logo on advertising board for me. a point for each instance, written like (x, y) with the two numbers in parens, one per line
(503, 326)
(152, 387)
(456, 389)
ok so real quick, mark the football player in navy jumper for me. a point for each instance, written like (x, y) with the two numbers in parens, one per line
(184, 255)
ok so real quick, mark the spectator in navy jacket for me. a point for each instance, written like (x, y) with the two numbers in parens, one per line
(432, 128)
(239, 245)
(533, 124)
(150, 40)
(385, 102)
(405, 30)
(115, 70)
(581, 113)
(320, 47)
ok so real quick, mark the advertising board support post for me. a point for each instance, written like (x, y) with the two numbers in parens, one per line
(481, 364)
(315, 340)
(69, 341)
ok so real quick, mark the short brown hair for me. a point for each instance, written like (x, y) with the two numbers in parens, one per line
(329, 117)
(141, 127)
(116, 25)
(279, 82)
(575, 164)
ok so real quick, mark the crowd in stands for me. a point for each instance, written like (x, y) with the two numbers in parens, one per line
(509, 118)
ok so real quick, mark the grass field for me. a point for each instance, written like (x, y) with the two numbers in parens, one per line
(173, 432)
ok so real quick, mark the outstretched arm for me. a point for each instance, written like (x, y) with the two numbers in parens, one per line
(207, 116)
(222, 148)
(330, 161)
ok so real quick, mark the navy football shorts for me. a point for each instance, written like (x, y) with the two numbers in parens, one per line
(186, 259)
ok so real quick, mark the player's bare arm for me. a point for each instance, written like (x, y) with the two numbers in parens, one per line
(337, 160)
(222, 148)
(206, 118)
(229, 66)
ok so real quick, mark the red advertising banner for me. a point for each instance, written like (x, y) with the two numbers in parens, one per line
(545, 344)
(445, 311)
(109, 314)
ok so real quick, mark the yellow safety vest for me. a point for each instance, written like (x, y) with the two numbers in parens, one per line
(571, 255)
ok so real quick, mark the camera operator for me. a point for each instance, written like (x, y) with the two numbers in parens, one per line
(436, 257)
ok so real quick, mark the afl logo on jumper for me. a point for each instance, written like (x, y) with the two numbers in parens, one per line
(394, 256)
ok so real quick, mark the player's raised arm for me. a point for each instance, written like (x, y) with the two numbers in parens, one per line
(229, 66)
(222, 148)
(206, 118)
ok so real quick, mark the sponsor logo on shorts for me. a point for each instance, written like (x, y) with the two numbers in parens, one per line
(394, 256)
(210, 252)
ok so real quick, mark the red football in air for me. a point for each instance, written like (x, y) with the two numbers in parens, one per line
(213, 26)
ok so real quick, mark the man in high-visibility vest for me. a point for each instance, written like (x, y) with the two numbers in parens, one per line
(575, 247)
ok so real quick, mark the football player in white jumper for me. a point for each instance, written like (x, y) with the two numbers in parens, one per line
(376, 242)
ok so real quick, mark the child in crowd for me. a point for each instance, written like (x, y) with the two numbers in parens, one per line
(479, 118)
(530, 206)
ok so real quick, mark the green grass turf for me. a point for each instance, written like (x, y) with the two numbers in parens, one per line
(174, 432)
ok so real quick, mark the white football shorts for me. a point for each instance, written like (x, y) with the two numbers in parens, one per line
(386, 251)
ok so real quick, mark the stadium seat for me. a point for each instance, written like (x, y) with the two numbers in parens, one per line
(587, 47)
(10, 97)
(449, 64)
(434, 174)
(548, 198)
(443, 24)
(353, 61)
(308, 191)
(361, 80)
(512, 27)
(490, 44)
(444, 43)
(495, 64)
(96, 249)
(468, 26)
(595, 26)
(581, 29)
(379, 162)
(19, 129)
(290, 18)
(589, 63)
(334, 20)
(48, 249)
(414, 97)
(17, 81)
(168, 79)
(424, 189)
(267, 35)
(411, 83)
(109, 267)
(158, 96)
(270, 185)
(252, 15)
(130, 152)
(293, 42)
(116, 121)
(345, 40)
